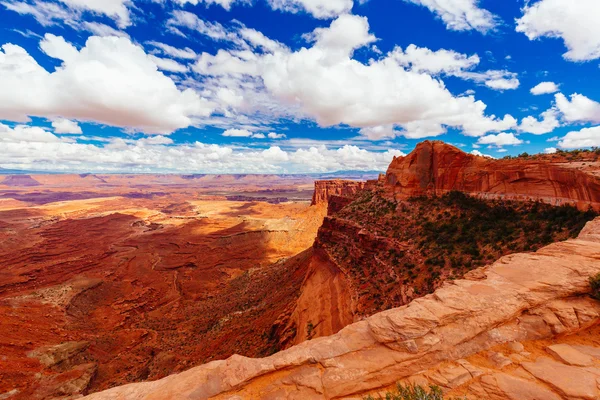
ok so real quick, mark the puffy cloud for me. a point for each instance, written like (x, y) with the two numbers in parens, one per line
(451, 63)
(550, 150)
(587, 137)
(503, 84)
(336, 89)
(544, 88)
(237, 133)
(460, 15)
(274, 135)
(110, 81)
(275, 154)
(380, 132)
(66, 126)
(578, 109)
(547, 124)
(345, 34)
(493, 79)
(318, 8)
(422, 129)
(348, 157)
(33, 148)
(480, 154)
(25, 134)
(575, 22)
(155, 140)
(243, 133)
(258, 78)
(501, 139)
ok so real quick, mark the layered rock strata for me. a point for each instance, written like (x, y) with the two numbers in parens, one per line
(437, 168)
(324, 190)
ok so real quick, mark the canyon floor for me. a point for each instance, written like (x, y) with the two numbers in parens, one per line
(102, 285)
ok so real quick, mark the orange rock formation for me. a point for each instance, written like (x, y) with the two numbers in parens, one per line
(324, 190)
(436, 168)
(480, 337)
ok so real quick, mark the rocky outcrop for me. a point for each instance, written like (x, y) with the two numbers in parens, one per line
(325, 305)
(324, 190)
(437, 168)
(520, 298)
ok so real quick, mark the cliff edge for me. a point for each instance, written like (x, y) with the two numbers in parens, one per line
(324, 190)
(521, 298)
(435, 167)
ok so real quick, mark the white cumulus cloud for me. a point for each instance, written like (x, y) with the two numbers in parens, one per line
(110, 81)
(544, 88)
(334, 88)
(548, 123)
(501, 139)
(578, 109)
(573, 21)
(480, 154)
(28, 147)
(587, 137)
(65, 126)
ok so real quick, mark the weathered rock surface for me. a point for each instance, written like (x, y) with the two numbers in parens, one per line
(440, 338)
(324, 306)
(437, 168)
(324, 190)
(569, 355)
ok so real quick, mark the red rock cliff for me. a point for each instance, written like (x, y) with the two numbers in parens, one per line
(436, 168)
(325, 189)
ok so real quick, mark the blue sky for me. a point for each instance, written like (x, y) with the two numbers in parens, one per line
(284, 86)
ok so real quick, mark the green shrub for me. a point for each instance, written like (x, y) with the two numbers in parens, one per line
(413, 393)
(595, 283)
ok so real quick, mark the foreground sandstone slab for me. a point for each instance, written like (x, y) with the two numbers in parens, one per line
(521, 297)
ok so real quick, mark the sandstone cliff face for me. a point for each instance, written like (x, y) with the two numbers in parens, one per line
(438, 339)
(436, 168)
(325, 305)
(324, 190)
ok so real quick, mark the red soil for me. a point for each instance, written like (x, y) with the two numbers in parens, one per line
(153, 286)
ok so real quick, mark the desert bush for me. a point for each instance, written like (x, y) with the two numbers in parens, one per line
(595, 283)
(413, 393)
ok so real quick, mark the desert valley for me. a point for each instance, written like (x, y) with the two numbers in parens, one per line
(299, 200)
(450, 269)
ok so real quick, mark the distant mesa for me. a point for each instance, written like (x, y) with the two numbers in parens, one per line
(194, 176)
(92, 177)
(20, 181)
